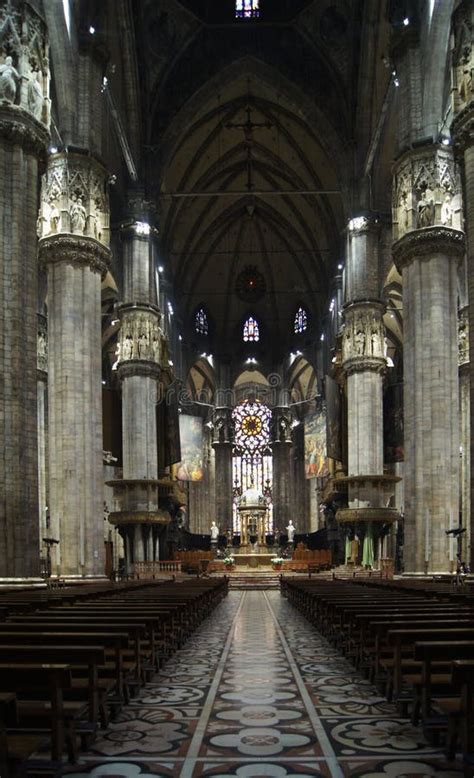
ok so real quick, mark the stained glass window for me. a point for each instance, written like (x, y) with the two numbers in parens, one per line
(251, 332)
(252, 459)
(201, 324)
(301, 321)
(247, 9)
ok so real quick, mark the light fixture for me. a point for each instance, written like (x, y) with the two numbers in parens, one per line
(160, 269)
(142, 228)
(406, 21)
(295, 423)
(104, 382)
(92, 30)
(251, 361)
(53, 149)
(170, 362)
(204, 355)
(322, 337)
(445, 140)
(340, 266)
(114, 321)
(180, 338)
(396, 81)
(170, 309)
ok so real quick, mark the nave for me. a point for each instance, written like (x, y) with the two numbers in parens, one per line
(256, 691)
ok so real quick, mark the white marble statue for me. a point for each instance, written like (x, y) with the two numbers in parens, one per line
(35, 96)
(8, 78)
(447, 211)
(78, 216)
(214, 532)
(290, 531)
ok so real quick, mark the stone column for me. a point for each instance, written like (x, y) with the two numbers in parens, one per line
(364, 362)
(74, 236)
(462, 130)
(464, 407)
(281, 444)
(24, 137)
(140, 353)
(428, 247)
(42, 383)
(222, 445)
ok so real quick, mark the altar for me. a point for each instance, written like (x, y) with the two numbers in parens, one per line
(253, 560)
(252, 510)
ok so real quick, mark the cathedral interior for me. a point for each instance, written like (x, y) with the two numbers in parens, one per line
(235, 261)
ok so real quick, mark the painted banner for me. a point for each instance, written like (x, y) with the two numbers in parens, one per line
(333, 421)
(315, 451)
(191, 437)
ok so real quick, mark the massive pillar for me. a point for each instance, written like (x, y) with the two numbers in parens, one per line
(42, 384)
(364, 362)
(74, 237)
(465, 450)
(222, 445)
(462, 130)
(24, 123)
(139, 358)
(428, 246)
(281, 451)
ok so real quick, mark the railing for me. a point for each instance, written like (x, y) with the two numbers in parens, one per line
(144, 570)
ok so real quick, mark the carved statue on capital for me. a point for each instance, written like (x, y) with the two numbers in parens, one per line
(74, 198)
(24, 61)
(426, 191)
(281, 425)
(42, 348)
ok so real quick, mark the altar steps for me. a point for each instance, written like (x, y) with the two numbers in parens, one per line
(251, 581)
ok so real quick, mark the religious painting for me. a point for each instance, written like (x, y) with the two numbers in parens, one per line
(393, 424)
(191, 436)
(315, 448)
(333, 418)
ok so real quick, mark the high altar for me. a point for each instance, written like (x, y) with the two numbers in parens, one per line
(252, 511)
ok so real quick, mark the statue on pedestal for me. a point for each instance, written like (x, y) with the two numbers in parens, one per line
(291, 531)
(214, 532)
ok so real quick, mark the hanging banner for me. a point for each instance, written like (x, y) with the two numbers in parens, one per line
(191, 437)
(333, 421)
(167, 430)
(315, 450)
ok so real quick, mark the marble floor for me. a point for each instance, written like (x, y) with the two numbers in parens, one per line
(258, 692)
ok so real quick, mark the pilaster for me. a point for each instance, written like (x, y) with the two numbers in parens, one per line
(281, 443)
(223, 445)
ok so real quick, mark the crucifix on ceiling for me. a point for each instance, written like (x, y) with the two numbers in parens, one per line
(248, 128)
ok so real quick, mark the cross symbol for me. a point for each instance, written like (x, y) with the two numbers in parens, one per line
(248, 127)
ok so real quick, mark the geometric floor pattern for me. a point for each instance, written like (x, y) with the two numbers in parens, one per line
(257, 691)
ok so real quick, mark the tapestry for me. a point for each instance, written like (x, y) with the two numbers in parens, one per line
(333, 419)
(191, 436)
(315, 452)
(393, 424)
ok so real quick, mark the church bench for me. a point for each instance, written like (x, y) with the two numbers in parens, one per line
(404, 640)
(49, 681)
(109, 690)
(429, 682)
(461, 720)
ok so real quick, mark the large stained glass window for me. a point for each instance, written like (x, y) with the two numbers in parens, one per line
(251, 333)
(301, 321)
(247, 9)
(252, 456)
(201, 324)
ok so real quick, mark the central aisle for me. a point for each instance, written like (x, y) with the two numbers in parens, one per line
(258, 692)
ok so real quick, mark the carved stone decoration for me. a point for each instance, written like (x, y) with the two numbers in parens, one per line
(75, 250)
(426, 191)
(463, 337)
(140, 336)
(223, 430)
(363, 342)
(463, 56)
(74, 198)
(281, 425)
(42, 345)
(24, 60)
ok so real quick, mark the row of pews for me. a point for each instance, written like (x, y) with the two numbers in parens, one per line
(413, 639)
(71, 658)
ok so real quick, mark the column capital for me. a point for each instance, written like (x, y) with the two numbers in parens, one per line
(141, 340)
(363, 341)
(75, 250)
(426, 191)
(138, 367)
(363, 223)
(20, 128)
(427, 241)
